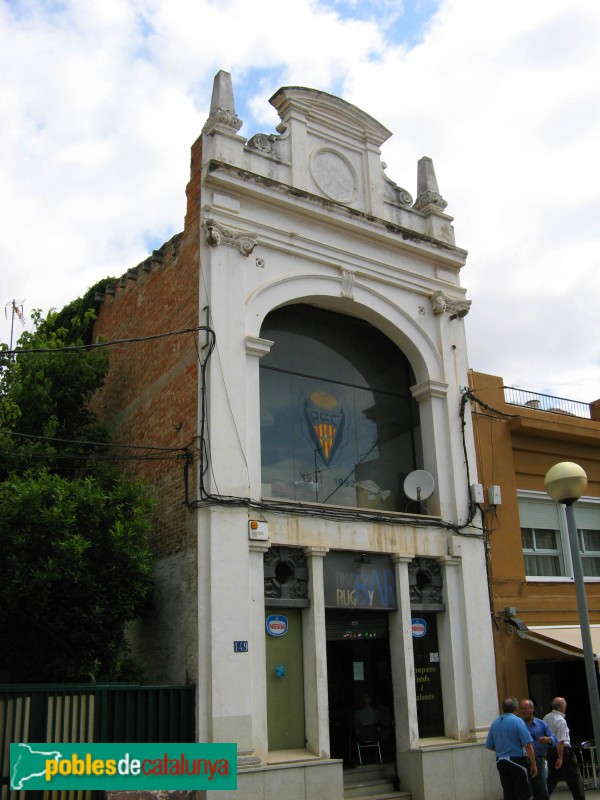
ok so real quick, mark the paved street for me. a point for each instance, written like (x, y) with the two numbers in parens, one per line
(562, 793)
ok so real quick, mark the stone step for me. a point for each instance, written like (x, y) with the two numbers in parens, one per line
(368, 788)
(372, 782)
(383, 796)
(369, 772)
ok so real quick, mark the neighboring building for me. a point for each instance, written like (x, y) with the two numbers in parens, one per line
(519, 436)
(330, 365)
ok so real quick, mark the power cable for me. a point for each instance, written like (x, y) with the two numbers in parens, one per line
(95, 345)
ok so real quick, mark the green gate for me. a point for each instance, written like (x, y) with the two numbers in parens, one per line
(90, 713)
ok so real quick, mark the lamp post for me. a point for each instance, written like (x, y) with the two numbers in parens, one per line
(565, 483)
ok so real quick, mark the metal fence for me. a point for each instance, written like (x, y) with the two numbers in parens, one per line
(90, 713)
(546, 402)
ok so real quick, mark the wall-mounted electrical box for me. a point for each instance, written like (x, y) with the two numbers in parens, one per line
(258, 530)
(476, 493)
(494, 496)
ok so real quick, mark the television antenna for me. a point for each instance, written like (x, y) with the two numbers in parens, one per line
(16, 310)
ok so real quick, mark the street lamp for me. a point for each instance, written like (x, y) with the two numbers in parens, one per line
(565, 483)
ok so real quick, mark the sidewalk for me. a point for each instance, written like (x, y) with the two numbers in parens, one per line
(562, 793)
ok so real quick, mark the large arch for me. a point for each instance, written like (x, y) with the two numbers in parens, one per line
(366, 303)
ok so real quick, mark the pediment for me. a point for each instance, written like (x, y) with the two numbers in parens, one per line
(328, 113)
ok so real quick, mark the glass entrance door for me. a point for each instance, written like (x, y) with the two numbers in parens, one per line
(360, 684)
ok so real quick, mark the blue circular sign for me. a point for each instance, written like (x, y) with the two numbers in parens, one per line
(419, 627)
(277, 624)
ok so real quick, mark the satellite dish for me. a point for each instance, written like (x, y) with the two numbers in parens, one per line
(419, 485)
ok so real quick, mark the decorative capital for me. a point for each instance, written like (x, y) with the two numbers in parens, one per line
(429, 198)
(456, 308)
(217, 234)
(315, 551)
(255, 346)
(435, 390)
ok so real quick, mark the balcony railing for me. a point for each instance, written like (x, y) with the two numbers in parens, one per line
(546, 402)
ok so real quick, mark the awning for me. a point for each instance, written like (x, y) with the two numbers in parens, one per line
(564, 638)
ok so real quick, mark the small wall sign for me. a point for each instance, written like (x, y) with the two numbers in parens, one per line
(240, 647)
(419, 627)
(277, 625)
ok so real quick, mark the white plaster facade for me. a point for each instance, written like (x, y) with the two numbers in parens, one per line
(309, 216)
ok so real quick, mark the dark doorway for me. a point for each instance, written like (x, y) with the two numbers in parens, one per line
(428, 680)
(358, 665)
(562, 678)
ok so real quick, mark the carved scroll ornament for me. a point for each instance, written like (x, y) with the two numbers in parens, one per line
(456, 308)
(217, 234)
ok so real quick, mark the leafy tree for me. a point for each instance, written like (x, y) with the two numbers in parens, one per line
(75, 568)
(75, 565)
(44, 394)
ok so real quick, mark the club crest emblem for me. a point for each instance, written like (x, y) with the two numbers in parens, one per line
(325, 420)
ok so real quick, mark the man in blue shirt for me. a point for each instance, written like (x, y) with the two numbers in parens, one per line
(542, 737)
(509, 737)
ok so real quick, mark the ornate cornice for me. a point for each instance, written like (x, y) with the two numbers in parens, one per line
(456, 308)
(217, 234)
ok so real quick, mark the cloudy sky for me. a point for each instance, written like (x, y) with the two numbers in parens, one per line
(100, 101)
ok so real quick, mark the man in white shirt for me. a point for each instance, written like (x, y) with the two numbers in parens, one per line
(562, 761)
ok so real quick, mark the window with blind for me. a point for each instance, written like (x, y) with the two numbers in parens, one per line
(545, 538)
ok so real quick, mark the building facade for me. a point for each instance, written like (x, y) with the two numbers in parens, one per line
(537, 637)
(319, 553)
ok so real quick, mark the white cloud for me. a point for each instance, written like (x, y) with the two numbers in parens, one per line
(101, 102)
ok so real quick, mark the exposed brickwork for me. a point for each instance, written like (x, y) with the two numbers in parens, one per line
(150, 396)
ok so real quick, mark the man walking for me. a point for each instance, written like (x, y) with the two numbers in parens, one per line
(562, 761)
(542, 737)
(509, 737)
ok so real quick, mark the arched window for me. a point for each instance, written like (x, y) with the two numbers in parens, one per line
(338, 423)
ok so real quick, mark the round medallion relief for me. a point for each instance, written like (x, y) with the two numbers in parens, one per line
(334, 175)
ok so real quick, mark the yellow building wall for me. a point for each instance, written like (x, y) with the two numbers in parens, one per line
(516, 446)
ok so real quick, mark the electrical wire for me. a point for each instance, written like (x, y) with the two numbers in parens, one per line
(90, 444)
(95, 345)
(207, 498)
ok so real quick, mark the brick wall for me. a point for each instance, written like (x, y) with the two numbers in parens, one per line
(150, 396)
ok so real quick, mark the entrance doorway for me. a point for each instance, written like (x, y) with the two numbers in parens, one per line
(562, 678)
(285, 680)
(359, 683)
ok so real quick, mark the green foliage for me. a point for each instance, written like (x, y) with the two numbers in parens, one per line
(78, 316)
(75, 564)
(75, 569)
(46, 394)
